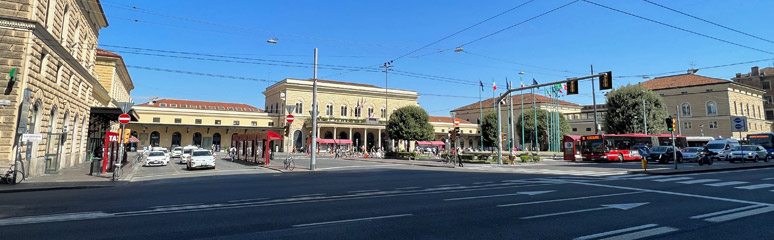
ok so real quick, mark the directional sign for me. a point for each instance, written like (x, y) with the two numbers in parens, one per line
(289, 118)
(623, 206)
(738, 124)
(644, 151)
(456, 122)
(124, 118)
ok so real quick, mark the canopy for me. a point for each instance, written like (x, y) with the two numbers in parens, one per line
(270, 135)
(424, 143)
(133, 139)
(327, 141)
(343, 141)
(437, 143)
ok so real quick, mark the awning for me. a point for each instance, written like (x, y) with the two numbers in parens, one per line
(270, 135)
(437, 143)
(327, 141)
(133, 139)
(343, 141)
(423, 143)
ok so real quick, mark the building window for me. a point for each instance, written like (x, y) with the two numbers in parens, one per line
(254, 123)
(358, 111)
(174, 105)
(748, 109)
(384, 115)
(766, 85)
(213, 108)
(178, 120)
(767, 99)
(759, 111)
(202, 107)
(343, 110)
(271, 124)
(156, 119)
(239, 109)
(574, 129)
(217, 122)
(221, 108)
(712, 108)
(686, 109)
(231, 108)
(687, 125)
(236, 123)
(162, 105)
(299, 108)
(370, 112)
(735, 111)
(713, 125)
(588, 129)
(247, 110)
(329, 110)
(183, 105)
(198, 121)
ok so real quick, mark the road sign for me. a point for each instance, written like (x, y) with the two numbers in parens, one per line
(738, 124)
(644, 151)
(456, 122)
(125, 106)
(32, 137)
(289, 118)
(124, 118)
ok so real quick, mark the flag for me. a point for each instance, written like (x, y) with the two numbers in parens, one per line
(494, 86)
(534, 82)
(548, 93)
(564, 85)
(522, 83)
(507, 85)
(480, 83)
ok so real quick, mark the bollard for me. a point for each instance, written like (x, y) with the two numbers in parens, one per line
(645, 164)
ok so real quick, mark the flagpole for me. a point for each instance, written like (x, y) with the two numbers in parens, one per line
(522, 112)
(535, 143)
(480, 116)
(510, 116)
(513, 128)
(548, 124)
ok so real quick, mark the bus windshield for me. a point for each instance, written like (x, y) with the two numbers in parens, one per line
(593, 146)
(763, 140)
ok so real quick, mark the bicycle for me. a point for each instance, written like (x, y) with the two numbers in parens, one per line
(14, 176)
(116, 172)
(290, 164)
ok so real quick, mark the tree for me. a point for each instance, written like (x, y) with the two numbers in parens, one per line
(529, 127)
(624, 110)
(489, 129)
(410, 123)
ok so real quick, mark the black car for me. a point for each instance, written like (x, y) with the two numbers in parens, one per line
(664, 154)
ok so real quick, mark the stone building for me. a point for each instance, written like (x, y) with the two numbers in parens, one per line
(582, 122)
(469, 137)
(50, 46)
(762, 79)
(705, 105)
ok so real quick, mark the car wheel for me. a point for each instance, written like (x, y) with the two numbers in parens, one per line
(731, 160)
(620, 157)
(755, 159)
(766, 159)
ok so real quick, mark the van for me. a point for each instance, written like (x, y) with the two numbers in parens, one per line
(722, 147)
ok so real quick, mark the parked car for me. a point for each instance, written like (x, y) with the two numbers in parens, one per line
(692, 153)
(156, 158)
(201, 159)
(664, 154)
(187, 153)
(722, 147)
(749, 152)
(177, 152)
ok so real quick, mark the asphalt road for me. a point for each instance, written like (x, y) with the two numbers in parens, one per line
(403, 203)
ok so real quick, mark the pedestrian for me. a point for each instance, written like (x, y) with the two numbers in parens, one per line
(459, 158)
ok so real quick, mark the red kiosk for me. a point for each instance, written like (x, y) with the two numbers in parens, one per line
(247, 146)
(571, 147)
(110, 152)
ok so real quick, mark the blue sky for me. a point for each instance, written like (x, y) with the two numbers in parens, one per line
(365, 34)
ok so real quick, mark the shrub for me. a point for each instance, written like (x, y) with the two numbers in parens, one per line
(525, 158)
(401, 155)
(536, 158)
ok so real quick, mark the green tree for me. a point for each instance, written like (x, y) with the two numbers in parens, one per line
(489, 129)
(624, 110)
(529, 127)
(410, 123)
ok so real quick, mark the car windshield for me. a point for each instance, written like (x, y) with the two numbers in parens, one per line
(201, 153)
(716, 145)
(746, 148)
(691, 150)
(188, 151)
(177, 149)
(659, 149)
(155, 154)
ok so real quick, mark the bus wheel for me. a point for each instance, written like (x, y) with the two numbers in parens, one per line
(620, 157)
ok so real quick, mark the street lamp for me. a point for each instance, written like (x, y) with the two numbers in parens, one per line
(272, 40)
(459, 49)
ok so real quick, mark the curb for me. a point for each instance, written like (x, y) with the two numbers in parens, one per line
(408, 162)
(53, 188)
(656, 172)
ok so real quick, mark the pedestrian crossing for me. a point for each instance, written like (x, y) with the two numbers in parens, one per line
(546, 171)
(711, 182)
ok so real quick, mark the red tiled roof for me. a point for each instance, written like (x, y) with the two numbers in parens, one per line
(488, 103)
(217, 105)
(769, 71)
(106, 53)
(682, 80)
(446, 120)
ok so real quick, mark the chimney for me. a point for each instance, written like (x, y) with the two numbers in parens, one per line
(738, 75)
(754, 71)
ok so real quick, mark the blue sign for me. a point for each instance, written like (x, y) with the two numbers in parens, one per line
(644, 151)
(738, 124)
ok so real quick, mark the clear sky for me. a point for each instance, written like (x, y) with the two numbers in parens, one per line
(354, 37)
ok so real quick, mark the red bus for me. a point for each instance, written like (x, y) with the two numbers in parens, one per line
(614, 147)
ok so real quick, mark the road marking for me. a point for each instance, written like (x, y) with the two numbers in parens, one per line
(247, 200)
(477, 183)
(768, 178)
(756, 186)
(722, 184)
(448, 185)
(649, 177)
(672, 179)
(623, 206)
(407, 188)
(309, 195)
(53, 218)
(643, 233)
(699, 181)
(364, 191)
(565, 199)
(725, 211)
(500, 195)
(352, 220)
(740, 214)
(626, 176)
(670, 193)
(343, 167)
(176, 205)
(615, 232)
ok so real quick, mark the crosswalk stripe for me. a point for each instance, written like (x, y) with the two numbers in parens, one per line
(756, 186)
(626, 176)
(650, 177)
(672, 179)
(699, 181)
(643, 233)
(725, 183)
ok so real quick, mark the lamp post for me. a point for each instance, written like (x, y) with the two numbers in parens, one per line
(314, 112)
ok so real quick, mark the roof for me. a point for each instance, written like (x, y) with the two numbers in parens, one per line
(488, 103)
(218, 106)
(344, 83)
(106, 53)
(769, 71)
(682, 80)
(446, 120)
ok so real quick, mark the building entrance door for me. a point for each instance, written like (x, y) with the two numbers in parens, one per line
(52, 152)
(207, 142)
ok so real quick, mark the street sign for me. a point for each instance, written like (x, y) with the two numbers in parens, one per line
(738, 124)
(125, 106)
(124, 118)
(289, 118)
(644, 151)
(32, 137)
(456, 122)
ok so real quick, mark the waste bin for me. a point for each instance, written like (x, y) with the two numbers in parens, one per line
(96, 166)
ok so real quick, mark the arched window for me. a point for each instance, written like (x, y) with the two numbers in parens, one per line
(216, 139)
(155, 138)
(370, 112)
(50, 14)
(176, 137)
(383, 113)
(329, 110)
(65, 123)
(65, 27)
(59, 75)
(70, 83)
(358, 111)
(197, 139)
(343, 110)
(76, 42)
(52, 120)
(299, 108)
(686, 109)
(80, 88)
(712, 108)
(43, 67)
(75, 134)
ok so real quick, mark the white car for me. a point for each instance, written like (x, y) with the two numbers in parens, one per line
(156, 158)
(201, 159)
(187, 154)
(177, 152)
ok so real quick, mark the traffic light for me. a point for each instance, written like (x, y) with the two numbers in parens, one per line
(127, 133)
(572, 87)
(674, 124)
(457, 130)
(606, 81)
(287, 130)
(670, 122)
(453, 135)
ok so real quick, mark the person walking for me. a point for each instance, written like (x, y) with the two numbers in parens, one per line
(232, 153)
(459, 157)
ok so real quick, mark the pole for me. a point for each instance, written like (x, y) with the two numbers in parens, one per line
(674, 151)
(17, 158)
(594, 101)
(644, 117)
(535, 142)
(120, 150)
(313, 161)
(522, 114)
(499, 136)
(511, 128)
(548, 123)
(480, 118)
(679, 129)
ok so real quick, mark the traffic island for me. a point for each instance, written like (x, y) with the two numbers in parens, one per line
(685, 169)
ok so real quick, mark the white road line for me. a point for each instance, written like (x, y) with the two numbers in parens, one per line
(650, 177)
(699, 181)
(615, 232)
(352, 220)
(712, 214)
(407, 188)
(643, 234)
(448, 185)
(565, 199)
(740, 214)
(176, 205)
(309, 195)
(477, 183)
(247, 200)
(364, 191)
(756, 186)
(672, 179)
(768, 179)
(670, 193)
(722, 184)
(53, 218)
(496, 195)
(626, 176)
(366, 166)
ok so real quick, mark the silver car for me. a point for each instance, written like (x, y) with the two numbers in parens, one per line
(692, 153)
(748, 152)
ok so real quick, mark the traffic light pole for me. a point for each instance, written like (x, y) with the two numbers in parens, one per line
(674, 151)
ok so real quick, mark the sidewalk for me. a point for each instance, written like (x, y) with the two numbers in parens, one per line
(75, 177)
(419, 162)
(705, 168)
